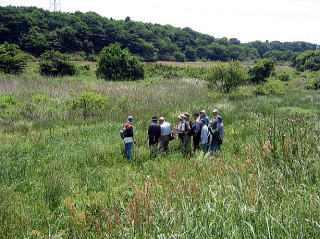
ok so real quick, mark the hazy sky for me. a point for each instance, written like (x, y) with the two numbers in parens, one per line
(247, 20)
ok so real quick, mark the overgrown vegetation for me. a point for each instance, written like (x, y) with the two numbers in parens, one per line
(309, 60)
(63, 176)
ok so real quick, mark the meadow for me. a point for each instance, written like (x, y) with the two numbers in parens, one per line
(63, 175)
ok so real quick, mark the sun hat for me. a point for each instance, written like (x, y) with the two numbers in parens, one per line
(219, 118)
(161, 119)
(203, 111)
(215, 111)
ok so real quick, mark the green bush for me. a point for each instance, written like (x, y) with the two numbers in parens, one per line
(118, 64)
(313, 84)
(271, 87)
(308, 60)
(54, 63)
(226, 77)
(89, 103)
(12, 59)
(283, 76)
(261, 71)
(7, 100)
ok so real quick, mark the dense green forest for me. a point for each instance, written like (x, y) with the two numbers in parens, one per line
(36, 30)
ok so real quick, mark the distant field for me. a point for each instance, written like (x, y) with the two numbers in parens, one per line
(63, 175)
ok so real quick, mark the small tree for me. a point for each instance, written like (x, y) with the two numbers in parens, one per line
(118, 64)
(226, 77)
(261, 71)
(12, 59)
(54, 63)
(308, 60)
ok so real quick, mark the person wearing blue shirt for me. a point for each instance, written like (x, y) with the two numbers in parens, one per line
(197, 131)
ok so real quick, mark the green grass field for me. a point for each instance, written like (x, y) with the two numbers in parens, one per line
(63, 175)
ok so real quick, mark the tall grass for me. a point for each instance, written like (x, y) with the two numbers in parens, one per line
(62, 176)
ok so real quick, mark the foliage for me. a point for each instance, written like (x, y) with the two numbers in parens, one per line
(36, 30)
(7, 101)
(117, 64)
(313, 84)
(283, 76)
(226, 77)
(89, 103)
(54, 63)
(309, 60)
(271, 87)
(12, 59)
(261, 71)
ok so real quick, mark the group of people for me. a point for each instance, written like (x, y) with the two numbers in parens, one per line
(208, 134)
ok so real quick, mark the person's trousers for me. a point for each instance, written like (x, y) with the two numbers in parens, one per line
(164, 143)
(187, 144)
(205, 148)
(128, 147)
(196, 141)
(215, 147)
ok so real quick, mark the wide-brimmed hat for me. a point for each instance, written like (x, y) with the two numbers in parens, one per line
(203, 111)
(161, 119)
(215, 111)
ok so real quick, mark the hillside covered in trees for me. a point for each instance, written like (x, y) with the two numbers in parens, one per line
(36, 30)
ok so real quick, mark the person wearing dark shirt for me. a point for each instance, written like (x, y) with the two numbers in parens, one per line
(154, 132)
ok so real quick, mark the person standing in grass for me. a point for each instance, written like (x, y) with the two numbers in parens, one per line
(216, 134)
(180, 129)
(215, 114)
(164, 135)
(197, 131)
(203, 115)
(154, 132)
(204, 136)
(188, 133)
(127, 135)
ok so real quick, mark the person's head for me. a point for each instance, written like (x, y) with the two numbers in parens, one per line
(202, 122)
(154, 119)
(187, 115)
(180, 117)
(195, 116)
(219, 118)
(130, 119)
(215, 112)
(203, 113)
(161, 120)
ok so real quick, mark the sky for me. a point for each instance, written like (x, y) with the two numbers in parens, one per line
(246, 20)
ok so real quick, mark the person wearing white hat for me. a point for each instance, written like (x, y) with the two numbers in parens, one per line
(203, 115)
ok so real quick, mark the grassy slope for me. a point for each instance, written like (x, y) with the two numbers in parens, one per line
(63, 177)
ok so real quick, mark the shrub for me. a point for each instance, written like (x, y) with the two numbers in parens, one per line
(271, 87)
(7, 101)
(313, 84)
(89, 103)
(54, 63)
(179, 56)
(118, 64)
(261, 71)
(226, 77)
(283, 76)
(12, 59)
(308, 60)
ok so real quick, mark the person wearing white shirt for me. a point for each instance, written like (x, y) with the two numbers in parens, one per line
(204, 135)
(165, 135)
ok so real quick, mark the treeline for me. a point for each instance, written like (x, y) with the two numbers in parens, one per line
(36, 30)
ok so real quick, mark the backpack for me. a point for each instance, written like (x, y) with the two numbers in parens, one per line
(192, 128)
